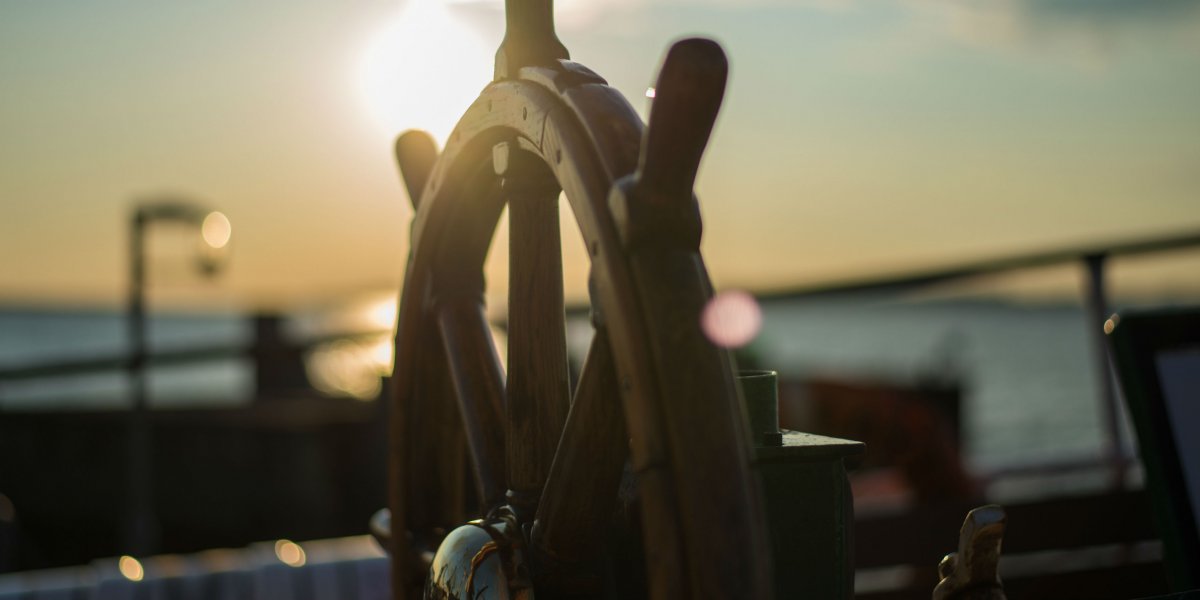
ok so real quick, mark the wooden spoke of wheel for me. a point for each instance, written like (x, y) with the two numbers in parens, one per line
(436, 435)
(578, 500)
(538, 388)
(479, 390)
(559, 125)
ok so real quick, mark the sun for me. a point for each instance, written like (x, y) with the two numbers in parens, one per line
(423, 69)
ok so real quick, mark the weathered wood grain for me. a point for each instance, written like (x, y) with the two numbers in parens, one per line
(538, 379)
(478, 383)
(581, 492)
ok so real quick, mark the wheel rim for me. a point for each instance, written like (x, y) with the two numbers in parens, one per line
(564, 127)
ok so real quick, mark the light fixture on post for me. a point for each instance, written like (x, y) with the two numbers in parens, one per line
(213, 232)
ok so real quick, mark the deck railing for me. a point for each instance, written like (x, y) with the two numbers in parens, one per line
(267, 346)
(1092, 258)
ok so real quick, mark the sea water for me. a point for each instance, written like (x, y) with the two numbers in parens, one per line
(34, 337)
(1028, 372)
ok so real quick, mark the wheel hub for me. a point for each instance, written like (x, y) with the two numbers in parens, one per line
(483, 559)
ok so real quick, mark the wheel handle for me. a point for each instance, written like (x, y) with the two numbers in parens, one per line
(655, 205)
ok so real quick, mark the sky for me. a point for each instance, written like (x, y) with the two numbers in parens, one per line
(858, 136)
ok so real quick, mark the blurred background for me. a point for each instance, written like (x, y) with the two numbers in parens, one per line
(935, 204)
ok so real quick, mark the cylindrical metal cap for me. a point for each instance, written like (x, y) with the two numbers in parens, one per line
(761, 392)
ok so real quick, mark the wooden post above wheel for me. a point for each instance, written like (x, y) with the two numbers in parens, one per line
(529, 37)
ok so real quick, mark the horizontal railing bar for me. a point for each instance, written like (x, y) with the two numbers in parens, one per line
(164, 358)
(918, 279)
(908, 281)
(896, 283)
(923, 534)
(1045, 468)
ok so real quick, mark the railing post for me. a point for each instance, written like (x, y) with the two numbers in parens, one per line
(141, 526)
(139, 518)
(1096, 308)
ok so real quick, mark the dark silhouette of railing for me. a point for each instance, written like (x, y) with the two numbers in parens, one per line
(267, 346)
(331, 444)
(909, 281)
(1093, 258)
(274, 356)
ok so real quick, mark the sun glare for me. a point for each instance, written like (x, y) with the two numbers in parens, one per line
(381, 314)
(423, 70)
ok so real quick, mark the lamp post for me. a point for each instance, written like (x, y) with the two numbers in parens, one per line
(214, 231)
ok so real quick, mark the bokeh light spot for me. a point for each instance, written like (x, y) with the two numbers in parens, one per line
(1111, 324)
(130, 568)
(216, 229)
(350, 367)
(731, 319)
(290, 553)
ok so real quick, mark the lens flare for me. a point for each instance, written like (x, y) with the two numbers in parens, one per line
(731, 319)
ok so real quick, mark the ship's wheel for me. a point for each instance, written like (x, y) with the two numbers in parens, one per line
(655, 397)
